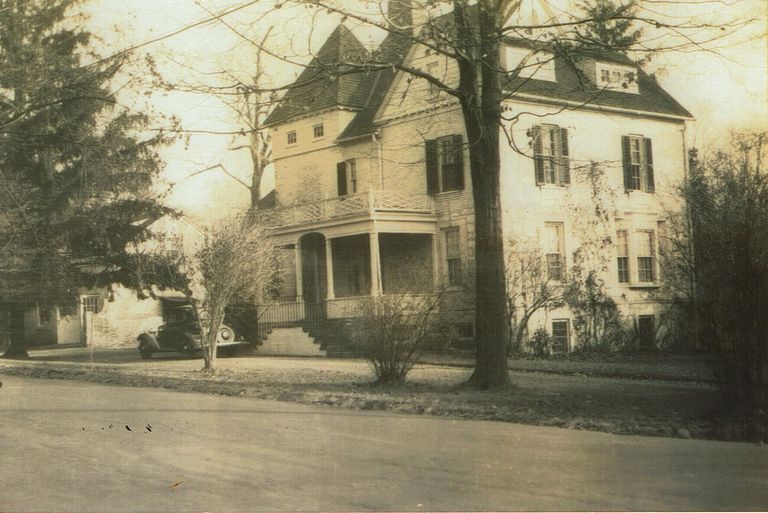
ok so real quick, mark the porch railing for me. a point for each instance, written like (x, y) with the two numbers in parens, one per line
(354, 204)
(309, 316)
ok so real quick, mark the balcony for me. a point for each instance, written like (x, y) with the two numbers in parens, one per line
(369, 204)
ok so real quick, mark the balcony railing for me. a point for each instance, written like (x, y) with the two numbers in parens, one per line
(345, 206)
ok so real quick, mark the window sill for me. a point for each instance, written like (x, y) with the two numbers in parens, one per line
(637, 285)
(552, 187)
(443, 194)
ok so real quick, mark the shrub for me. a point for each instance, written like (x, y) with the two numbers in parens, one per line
(541, 343)
(392, 331)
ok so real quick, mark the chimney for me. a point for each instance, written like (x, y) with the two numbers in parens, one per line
(400, 15)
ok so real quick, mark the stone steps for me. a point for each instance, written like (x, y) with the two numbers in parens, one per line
(290, 342)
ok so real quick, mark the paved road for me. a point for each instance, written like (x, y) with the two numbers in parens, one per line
(65, 447)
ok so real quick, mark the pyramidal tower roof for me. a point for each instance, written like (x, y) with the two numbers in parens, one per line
(324, 84)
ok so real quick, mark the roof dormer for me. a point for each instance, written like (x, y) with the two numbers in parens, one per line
(532, 63)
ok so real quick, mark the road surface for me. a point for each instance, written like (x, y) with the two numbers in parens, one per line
(69, 446)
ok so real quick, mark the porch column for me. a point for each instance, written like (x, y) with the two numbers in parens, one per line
(375, 265)
(299, 283)
(435, 261)
(329, 268)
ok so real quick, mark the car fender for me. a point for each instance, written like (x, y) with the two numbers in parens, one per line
(150, 339)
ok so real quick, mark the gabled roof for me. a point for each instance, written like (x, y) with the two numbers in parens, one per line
(324, 84)
(392, 49)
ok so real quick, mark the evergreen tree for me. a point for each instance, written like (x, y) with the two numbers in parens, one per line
(77, 179)
(611, 25)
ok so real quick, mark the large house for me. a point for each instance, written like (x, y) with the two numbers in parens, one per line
(373, 193)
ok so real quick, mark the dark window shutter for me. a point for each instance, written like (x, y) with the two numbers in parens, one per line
(627, 160)
(651, 186)
(538, 163)
(431, 159)
(458, 161)
(565, 160)
(341, 178)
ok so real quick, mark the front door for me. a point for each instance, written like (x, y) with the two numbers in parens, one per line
(313, 275)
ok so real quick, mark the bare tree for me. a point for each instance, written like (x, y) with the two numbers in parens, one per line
(235, 262)
(530, 287)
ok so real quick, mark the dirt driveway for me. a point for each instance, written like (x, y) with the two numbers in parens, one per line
(574, 398)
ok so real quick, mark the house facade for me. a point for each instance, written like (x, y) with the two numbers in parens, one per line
(373, 193)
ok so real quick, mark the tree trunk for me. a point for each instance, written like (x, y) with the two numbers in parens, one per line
(480, 85)
(18, 346)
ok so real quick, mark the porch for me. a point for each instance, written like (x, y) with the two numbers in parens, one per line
(326, 280)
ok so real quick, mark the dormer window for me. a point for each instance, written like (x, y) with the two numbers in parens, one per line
(318, 131)
(616, 77)
(291, 137)
(529, 63)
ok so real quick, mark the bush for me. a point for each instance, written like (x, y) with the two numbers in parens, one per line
(541, 343)
(392, 331)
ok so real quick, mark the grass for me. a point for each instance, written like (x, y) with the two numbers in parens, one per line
(650, 395)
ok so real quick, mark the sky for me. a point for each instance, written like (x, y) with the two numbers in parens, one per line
(724, 84)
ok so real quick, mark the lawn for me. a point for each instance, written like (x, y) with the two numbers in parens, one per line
(648, 395)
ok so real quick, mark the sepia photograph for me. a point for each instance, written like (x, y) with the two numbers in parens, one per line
(383, 255)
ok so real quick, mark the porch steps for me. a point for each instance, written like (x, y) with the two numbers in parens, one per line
(333, 337)
(290, 342)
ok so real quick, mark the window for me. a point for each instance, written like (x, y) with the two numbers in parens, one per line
(433, 68)
(318, 131)
(453, 256)
(554, 248)
(445, 164)
(291, 137)
(560, 335)
(550, 155)
(346, 176)
(352, 176)
(638, 163)
(646, 331)
(92, 304)
(646, 257)
(622, 256)
(619, 78)
(44, 315)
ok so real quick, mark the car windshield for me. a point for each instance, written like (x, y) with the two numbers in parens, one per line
(181, 314)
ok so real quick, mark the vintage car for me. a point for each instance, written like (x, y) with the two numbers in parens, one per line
(180, 332)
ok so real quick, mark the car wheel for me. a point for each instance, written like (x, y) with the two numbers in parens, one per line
(145, 351)
(187, 349)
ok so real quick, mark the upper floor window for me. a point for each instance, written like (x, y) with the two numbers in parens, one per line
(346, 176)
(617, 77)
(637, 154)
(433, 68)
(646, 256)
(554, 247)
(291, 137)
(445, 164)
(550, 155)
(318, 131)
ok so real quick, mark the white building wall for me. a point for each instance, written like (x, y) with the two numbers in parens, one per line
(593, 137)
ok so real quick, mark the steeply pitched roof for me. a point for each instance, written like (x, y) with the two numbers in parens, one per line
(323, 83)
(392, 49)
